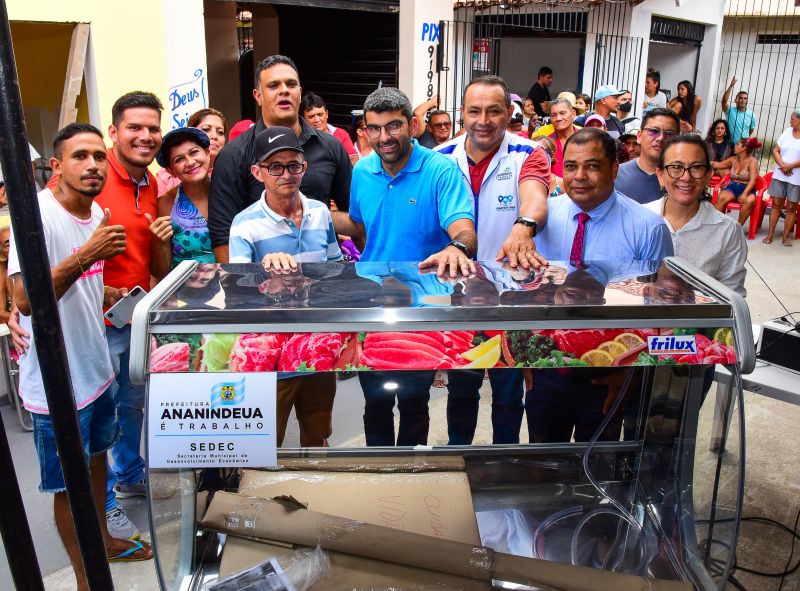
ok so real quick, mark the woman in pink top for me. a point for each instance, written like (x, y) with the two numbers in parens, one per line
(315, 112)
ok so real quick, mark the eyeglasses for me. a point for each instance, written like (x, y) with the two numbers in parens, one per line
(276, 169)
(696, 171)
(654, 132)
(445, 125)
(286, 295)
(392, 128)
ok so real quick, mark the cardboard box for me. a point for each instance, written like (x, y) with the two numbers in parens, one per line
(423, 500)
(288, 521)
(347, 572)
(437, 504)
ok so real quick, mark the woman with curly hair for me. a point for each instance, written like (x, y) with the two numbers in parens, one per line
(718, 140)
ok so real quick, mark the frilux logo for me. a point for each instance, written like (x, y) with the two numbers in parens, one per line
(672, 345)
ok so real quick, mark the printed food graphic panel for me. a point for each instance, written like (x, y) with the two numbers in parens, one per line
(350, 351)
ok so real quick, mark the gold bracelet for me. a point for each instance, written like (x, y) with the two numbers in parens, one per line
(80, 264)
(105, 290)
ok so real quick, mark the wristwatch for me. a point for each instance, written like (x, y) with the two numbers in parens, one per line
(460, 246)
(528, 222)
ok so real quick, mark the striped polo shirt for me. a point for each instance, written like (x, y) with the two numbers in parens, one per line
(258, 230)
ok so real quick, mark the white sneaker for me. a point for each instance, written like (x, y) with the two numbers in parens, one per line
(119, 526)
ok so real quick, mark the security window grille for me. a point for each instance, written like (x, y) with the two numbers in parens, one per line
(778, 39)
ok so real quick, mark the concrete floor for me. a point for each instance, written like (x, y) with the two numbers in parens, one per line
(772, 484)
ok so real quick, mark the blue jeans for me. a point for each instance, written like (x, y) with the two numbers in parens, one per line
(463, 399)
(99, 430)
(412, 389)
(125, 464)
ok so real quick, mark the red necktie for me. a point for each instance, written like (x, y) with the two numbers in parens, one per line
(576, 254)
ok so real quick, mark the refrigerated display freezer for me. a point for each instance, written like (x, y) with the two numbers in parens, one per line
(618, 355)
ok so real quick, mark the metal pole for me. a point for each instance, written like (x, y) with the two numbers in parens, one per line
(14, 527)
(27, 225)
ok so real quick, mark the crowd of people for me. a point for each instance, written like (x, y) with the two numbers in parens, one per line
(585, 183)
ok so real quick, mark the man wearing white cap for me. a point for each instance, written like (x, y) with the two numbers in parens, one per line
(606, 99)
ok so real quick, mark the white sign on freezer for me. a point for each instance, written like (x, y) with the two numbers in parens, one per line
(203, 420)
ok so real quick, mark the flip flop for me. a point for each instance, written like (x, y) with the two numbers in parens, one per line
(786, 243)
(765, 241)
(127, 555)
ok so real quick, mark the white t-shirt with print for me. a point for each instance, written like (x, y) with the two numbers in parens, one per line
(790, 153)
(80, 308)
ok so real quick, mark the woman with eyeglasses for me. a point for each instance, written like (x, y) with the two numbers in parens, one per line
(185, 153)
(684, 170)
(743, 175)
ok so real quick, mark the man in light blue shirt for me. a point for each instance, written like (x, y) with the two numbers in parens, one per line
(283, 224)
(615, 228)
(408, 202)
(590, 222)
(278, 230)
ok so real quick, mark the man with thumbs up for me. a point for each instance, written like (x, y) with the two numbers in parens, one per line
(80, 239)
(130, 193)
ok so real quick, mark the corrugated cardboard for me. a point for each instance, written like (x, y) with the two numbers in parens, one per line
(348, 572)
(267, 519)
(437, 504)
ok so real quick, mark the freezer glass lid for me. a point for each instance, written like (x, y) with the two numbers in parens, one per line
(370, 290)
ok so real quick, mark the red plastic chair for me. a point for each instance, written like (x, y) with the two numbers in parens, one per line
(767, 204)
(716, 188)
(755, 220)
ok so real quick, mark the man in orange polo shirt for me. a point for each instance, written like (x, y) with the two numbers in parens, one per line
(130, 193)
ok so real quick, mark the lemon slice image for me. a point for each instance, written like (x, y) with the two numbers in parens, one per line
(482, 349)
(630, 340)
(613, 348)
(487, 360)
(597, 358)
(724, 336)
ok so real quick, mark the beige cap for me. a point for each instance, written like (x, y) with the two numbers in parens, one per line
(569, 96)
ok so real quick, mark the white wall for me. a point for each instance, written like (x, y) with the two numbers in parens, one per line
(707, 12)
(674, 62)
(521, 58)
(185, 56)
(769, 73)
(419, 21)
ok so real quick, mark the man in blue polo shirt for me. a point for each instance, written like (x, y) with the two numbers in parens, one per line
(408, 202)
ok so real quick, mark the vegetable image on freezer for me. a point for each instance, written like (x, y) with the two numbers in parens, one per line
(216, 350)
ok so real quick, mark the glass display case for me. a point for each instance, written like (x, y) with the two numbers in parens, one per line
(558, 414)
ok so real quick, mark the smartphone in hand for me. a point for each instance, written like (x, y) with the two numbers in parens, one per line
(121, 313)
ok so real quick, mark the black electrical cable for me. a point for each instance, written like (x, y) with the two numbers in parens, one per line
(791, 553)
(772, 292)
(753, 571)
